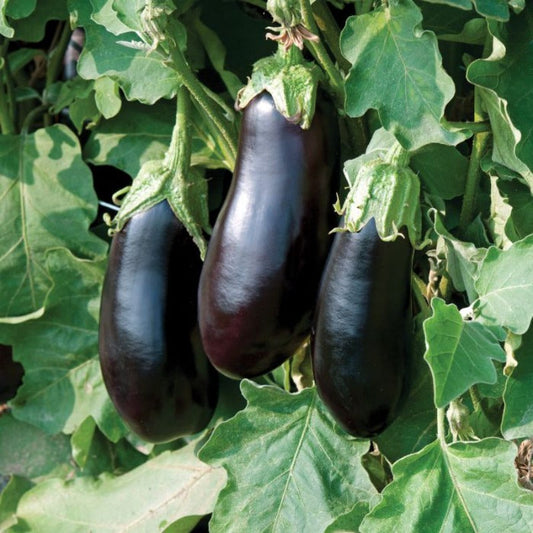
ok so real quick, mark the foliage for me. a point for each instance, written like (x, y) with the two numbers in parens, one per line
(436, 115)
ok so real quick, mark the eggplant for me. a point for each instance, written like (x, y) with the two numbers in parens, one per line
(359, 341)
(151, 357)
(11, 374)
(262, 271)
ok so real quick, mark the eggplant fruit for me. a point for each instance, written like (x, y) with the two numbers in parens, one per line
(152, 361)
(359, 342)
(11, 374)
(262, 271)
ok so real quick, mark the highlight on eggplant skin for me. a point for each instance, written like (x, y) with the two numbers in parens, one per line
(359, 343)
(262, 270)
(151, 357)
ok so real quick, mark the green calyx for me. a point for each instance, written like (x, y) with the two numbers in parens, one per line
(172, 179)
(292, 82)
(385, 189)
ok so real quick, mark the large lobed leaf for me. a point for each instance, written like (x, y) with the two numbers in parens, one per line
(397, 70)
(463, 259)
(143, 77)
(62, 383)
(140, 133)
(29, 452)
(517, 421)
(464, 487)
(459, 352)
(290, 467)
(505, 286)
(46, 200)
(506, 77)
(172, 487)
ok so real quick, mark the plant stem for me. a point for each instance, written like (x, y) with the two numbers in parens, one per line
(226, 136)
(6, 113)
(31, 116)
(178, 156)
(329, 28)
(55, 62)
(55, 58)
(358, 136)
(479, 144)
(441, 426)
(418, 288)
(321, 55)
(475, 397)
(473, 175)
(475, 127)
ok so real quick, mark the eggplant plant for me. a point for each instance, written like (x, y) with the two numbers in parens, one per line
(265, 265)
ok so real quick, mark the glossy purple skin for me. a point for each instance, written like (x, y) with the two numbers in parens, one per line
(154, 368)
(11, 374)
(262, 271)
(359, 339)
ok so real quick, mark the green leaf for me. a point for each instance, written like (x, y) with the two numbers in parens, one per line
(442, 170)
(397, 70)
(466, 487)
(20, 9)
(84, 112)
(142, 77)
(290, 467)
(29, 452)
(47, 200)
(500, 212)
(128, 12)
(107, 97)
(32, 28)
(105, 15)
(169, 487)
(502, 74)
(520, 222)
(517, 419)
(493, 9)
(461, 4)
(62, 383)
(459, 352)
(5, 29)
(9, 498)
(140, 133)
(505, 138)
(473, 32)
(505, 287)
(463, 259)
(81, 441)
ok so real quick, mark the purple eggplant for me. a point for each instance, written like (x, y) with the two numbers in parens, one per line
(262, 271)
(359, 343)
(152, 361)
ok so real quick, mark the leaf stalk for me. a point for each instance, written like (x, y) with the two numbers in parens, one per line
(178, 156)
(225, 133)
(6, 112)
(441, 426)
